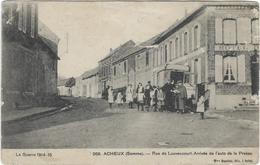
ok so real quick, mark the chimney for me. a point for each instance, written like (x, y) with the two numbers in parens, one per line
(186, 12)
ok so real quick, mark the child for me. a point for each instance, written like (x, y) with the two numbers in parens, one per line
(201, 107)
(119, 99)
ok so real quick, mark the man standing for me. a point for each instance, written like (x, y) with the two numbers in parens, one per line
(147, 96)
(167, 89)
(180, 97)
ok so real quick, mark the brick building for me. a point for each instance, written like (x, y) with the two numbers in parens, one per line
(108, 66)
(216, 44)
(29, 57)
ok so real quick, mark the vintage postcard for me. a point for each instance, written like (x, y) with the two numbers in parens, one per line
(130, 82)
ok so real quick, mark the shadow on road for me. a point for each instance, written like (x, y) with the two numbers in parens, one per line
(83, 109)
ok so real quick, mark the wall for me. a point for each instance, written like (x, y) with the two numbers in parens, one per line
(241, 88)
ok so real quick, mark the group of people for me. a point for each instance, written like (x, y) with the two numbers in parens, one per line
(170, 97)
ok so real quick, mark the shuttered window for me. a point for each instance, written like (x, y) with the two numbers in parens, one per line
(24, 11)
(170, 50)
(33, 20)
(196, 37)
(177, 47)
(165, 54)
(229, 31)
(243, 30)
(20, 16)
(185, 43)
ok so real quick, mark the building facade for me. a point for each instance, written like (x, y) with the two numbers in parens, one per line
(108, 67)
(89, 84)
(216, 43)
(29, 59)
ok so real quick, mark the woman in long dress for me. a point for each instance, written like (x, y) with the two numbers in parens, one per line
(129, 96)
(140, 96)
(110, 96)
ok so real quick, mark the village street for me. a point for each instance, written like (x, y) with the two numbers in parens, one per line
(89, 124)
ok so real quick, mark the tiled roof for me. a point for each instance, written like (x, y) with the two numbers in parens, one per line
(139, 47)
(89, 73)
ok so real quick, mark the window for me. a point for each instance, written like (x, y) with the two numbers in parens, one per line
(24, 11)
(147, 58)
(170, 50)
(177, 47)
(255, 31)
(124, 66)
(195, 39)
(33, 20)
(20, 16)
(230, 69)
(243, 30)
(165, 53)
(114, 70)
(185, 43)
(229, 31)
(160, 58)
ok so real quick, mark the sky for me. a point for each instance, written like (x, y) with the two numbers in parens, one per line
(95, 27)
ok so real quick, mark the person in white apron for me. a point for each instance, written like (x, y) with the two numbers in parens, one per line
(130, 95)
(110, 96)
(140, 96)
(202, 104)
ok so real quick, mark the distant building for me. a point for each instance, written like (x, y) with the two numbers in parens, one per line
(65, 87)
(89, 84)
(29, 59)
(133, 66)
(105, 65)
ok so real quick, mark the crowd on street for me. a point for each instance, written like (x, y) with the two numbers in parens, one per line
(171, 97)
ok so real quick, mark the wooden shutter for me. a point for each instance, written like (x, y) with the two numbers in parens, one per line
(218, 30)
(243, 31)
(218, 68)
(241, 68)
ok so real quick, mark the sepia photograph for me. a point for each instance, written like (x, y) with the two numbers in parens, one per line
(130, 75)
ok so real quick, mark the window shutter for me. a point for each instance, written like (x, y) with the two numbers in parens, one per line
(20, 16)
(192, 71)
(24, 17)
(218, 30)
(243, 32)
(199, 71)
(241, 68)
(198, 36)
(218, 68)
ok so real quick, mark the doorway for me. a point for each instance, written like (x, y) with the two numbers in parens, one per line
(177, 76)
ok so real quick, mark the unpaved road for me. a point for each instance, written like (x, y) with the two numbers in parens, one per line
(132, 129)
